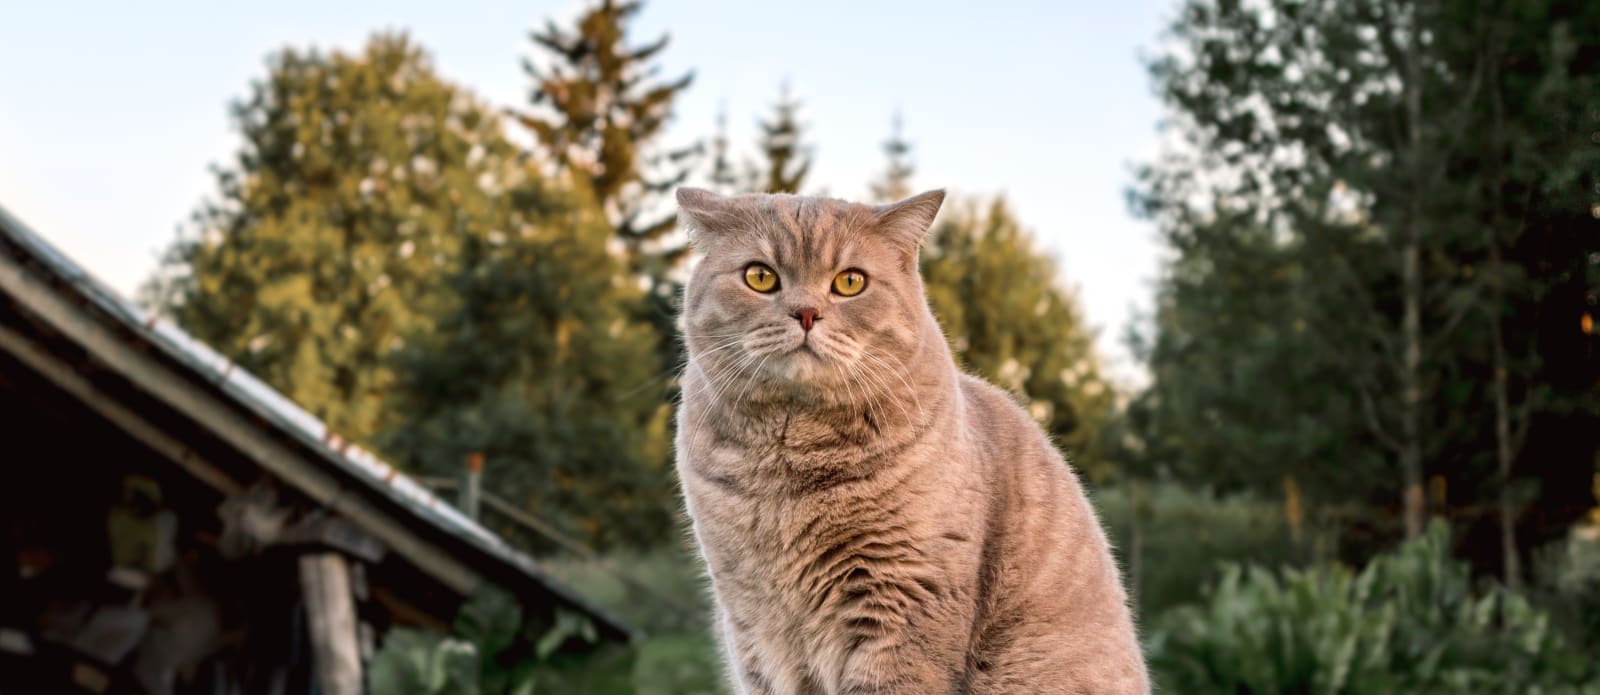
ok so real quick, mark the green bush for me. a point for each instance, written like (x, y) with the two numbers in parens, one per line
(490, 651)
(1409, 622)
(663, 593)
(1568, 583)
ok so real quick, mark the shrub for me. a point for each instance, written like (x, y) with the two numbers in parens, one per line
(1409, 622)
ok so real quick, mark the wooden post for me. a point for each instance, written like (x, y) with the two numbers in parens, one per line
(471, 490)
(331, 619)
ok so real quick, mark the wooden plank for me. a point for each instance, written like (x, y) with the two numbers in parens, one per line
(128, 421)
(160, 381)
(331, 621)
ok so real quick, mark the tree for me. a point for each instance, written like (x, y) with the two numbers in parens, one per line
(895, 183)
(541, 366)
(1026, 336)
(1350, 146)
(324, 247)
(786, 160)
(723, 178)
(600, 113)
(1533, 196)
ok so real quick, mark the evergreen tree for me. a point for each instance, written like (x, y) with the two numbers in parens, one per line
(723, 178)
(999, 300)
(785, 159)
(1413, 175)
(599, 111)
(895, 183)
(327, 240)
(541, 366)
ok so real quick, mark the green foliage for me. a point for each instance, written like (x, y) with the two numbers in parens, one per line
(661, 591)
(1379, 216)
(1569, 580)
(1247, 382)
(490, 652)
(1408, 622)
(541, 365)
(1028, 337)
(1184, 535)
(324, 246)
(599, 113)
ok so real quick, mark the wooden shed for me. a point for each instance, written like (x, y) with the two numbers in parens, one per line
(170, 524)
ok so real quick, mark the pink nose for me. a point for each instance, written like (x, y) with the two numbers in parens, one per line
(807, 317)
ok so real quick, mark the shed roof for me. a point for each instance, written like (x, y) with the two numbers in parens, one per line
(41, 278)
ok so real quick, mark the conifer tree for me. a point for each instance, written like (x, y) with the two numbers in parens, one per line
(724, 180)
(599, 111)
(895, 181)
(785, 159)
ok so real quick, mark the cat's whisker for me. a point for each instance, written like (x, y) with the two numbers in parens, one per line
(717, 382)
(874, 401)
(884, 391)
(899, 373)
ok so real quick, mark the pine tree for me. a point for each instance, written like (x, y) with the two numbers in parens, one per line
(327, 240)
(1028, 337)
(723, 178)
(895, 183)
(785, 159)
(600, 113)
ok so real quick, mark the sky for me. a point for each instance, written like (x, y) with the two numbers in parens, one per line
(111, 114)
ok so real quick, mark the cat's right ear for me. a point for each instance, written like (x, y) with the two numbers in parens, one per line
(701, 211)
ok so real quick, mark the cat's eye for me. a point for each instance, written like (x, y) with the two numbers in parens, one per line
(850, 282)
(760, 278)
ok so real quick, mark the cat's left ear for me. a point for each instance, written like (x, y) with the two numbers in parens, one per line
(907, 222)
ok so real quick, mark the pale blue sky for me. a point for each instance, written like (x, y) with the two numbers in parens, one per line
(111, 113)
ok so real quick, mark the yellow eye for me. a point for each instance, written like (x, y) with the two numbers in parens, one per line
(850, 282)
(760, 278)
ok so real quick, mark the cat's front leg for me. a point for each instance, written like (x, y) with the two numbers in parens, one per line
(896, 669)
(744, 674)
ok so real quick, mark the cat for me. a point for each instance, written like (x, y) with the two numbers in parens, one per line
(874, 521)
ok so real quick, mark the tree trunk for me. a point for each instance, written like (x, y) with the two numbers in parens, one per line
(1502, 439)
(1411, 384)
(1411, 289)
(1504, 449)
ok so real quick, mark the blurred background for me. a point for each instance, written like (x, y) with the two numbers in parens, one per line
(1306, 290)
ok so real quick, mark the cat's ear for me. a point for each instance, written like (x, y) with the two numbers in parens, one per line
(908, 221)
(701, 211)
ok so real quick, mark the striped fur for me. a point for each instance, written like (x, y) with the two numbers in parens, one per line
(872, 520)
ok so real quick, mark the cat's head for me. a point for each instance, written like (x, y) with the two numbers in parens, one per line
(804, 294)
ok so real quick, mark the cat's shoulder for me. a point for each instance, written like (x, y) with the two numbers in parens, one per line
(992, 405)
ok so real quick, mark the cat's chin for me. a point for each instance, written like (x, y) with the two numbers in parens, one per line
(804, 369)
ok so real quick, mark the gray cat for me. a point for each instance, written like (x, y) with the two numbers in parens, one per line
(873, 520)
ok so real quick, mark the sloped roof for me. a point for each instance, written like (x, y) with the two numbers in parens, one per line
(371, 477)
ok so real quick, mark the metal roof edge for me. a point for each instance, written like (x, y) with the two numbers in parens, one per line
(244, 389)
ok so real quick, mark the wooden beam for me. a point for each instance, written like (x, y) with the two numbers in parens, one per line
(223, 420)
(46, 365)
(331, 621)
